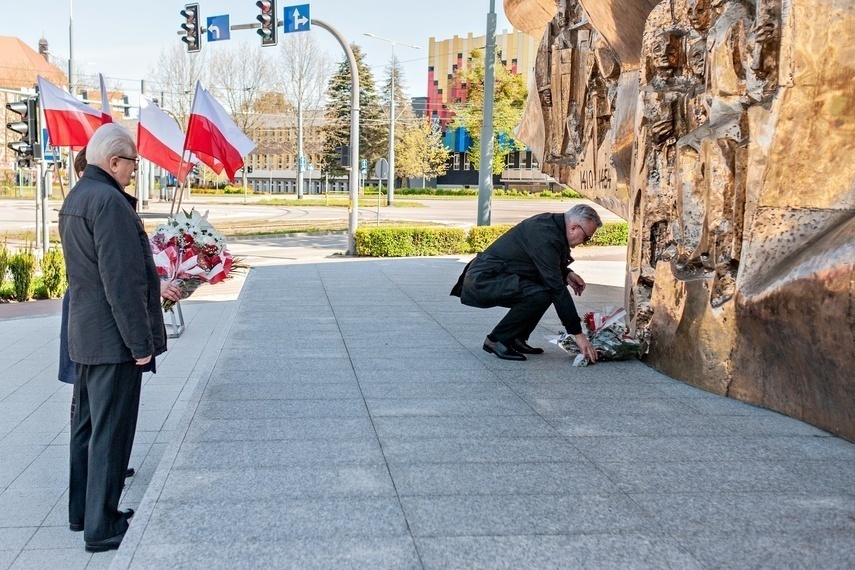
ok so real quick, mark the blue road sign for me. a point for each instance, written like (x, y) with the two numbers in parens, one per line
(218, 28)
(47, 150)
(302, 164)
(363, 165)
(297, 18)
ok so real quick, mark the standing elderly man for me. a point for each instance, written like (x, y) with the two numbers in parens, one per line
(115, 329)
(527, 269)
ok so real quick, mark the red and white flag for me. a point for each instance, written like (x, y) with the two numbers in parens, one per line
(211, 131)
(160, 140)
(70, 122)
(106, 112)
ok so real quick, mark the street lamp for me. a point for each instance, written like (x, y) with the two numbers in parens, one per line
(391, 182)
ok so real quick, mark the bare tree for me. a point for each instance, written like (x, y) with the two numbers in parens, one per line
(303, 72)
(174, 79)
(240, 78)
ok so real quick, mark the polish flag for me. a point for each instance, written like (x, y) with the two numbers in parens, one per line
(210, 131)
(70, 122)
(210, 162)
(160, 140)
(106, 112)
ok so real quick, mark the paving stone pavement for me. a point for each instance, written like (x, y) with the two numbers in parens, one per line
(343, 415)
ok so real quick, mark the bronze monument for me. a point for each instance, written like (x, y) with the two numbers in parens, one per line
(723, 131)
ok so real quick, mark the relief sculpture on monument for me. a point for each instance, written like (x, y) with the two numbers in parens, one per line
(723, 131)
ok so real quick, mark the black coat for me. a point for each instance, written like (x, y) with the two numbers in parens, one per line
(535, 251)
(114, 312)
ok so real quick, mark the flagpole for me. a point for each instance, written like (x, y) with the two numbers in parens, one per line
(174, 197)
(57, 155)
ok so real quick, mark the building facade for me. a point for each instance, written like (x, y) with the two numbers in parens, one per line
(517, 52)
(274, 161)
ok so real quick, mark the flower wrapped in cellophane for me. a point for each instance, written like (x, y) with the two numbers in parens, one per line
(608, 334)
(188, 251)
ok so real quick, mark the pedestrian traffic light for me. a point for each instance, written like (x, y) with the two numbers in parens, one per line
(192, 31)
(342, 155)
(28, 146)
(269, 23)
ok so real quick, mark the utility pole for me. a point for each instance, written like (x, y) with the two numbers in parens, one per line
(301, 160)
(391, 179)
(72, 176)
(485, 172)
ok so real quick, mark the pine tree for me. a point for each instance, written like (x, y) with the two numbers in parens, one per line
(337, 127)
(508, 105)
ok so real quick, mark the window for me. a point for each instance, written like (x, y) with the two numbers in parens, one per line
(512, 160)
(456, 161)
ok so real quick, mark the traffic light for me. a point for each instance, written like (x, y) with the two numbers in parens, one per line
(342, 155)
(192, 30)
(269, 24)
(28, 147)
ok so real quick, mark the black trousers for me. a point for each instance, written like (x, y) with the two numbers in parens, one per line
(107, 398)
(526, 309)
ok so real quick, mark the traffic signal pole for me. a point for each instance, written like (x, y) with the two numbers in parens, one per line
(353, 208)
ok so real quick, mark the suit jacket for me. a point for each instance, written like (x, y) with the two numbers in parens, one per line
(114, 313)
(536, 252)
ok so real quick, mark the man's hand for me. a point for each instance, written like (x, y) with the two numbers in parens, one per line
(576, 282)
(585, 347)
(169, 290)
(143, 361)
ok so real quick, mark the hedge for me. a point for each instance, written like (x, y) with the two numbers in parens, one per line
(407, 242)
(22, 266)
(415, 241)
(482, 236)
(612, 233)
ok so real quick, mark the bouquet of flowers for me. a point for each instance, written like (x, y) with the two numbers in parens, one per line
(188, 251)
(609, 335)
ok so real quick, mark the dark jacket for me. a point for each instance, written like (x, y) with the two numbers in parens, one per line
(114, 312)
(536, 251)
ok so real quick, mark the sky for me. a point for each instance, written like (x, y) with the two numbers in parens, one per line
(123, 40)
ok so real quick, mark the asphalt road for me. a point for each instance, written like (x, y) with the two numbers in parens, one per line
(17, 215)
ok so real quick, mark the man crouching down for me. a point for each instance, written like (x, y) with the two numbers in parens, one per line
(527, 269)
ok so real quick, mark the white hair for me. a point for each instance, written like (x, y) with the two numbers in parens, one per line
(583, 213)
(108, 141)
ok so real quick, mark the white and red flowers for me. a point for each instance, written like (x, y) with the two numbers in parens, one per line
(608, 333)
(189, 251)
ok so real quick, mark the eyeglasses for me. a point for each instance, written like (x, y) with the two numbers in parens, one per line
(587, 237)
(136, 161)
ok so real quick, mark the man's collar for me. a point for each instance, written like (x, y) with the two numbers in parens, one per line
(97, 173)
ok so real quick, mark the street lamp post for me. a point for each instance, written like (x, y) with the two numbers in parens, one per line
(391, 180)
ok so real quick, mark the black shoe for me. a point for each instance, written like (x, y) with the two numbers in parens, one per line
(77, 527)
(130, 472)
(523, 347)
(502, 351)
(111, 543)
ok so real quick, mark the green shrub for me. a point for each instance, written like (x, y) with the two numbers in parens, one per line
(4, 262)
(482, 236)
(53, 273)
(569, 193)
(406, 242)
(612, 233)
(22, 265)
